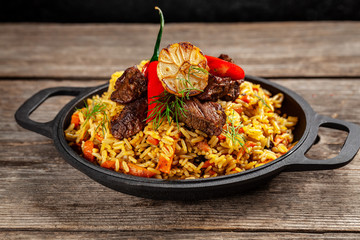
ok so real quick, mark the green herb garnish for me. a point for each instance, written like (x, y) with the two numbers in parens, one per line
(168, 106)
(234, 133)
(91, 112)
(263, 101)
(189, 87)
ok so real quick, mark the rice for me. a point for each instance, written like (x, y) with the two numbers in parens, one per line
(266, 135)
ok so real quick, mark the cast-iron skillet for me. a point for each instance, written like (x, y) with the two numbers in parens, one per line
(306, 133)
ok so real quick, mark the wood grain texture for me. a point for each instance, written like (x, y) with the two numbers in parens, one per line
(181, 235)
(41, 196)
(263, 49)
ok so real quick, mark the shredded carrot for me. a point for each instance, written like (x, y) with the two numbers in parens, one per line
(108, 164)
(152, 140)
(207, 164)
(239, 110)
(87, 150)
(244, 149)
(267, 161)
(211, 172)
(240, 154)
(279, 139)
(75, 119)
(98, 137)
(241, 130)
(245, 98)
(221, 137)
(250, 144)
(164, 165)
(203, 146)
(136, 170)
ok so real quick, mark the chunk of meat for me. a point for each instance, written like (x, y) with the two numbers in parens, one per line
(130, 86)
(208, 117)
(220, 88)
(131, 120)
(226, 57)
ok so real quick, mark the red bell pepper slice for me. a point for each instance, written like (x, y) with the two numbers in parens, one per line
(222, 68)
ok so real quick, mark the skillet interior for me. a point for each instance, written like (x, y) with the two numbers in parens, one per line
(187, 189)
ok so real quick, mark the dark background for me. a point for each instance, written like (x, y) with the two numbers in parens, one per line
(74, 11)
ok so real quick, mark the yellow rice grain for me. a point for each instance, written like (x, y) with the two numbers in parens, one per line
(125, 166)
(197, 139)
(145, 152)
(167, 140)
(169, 130)
(117, 165)
(185, 133)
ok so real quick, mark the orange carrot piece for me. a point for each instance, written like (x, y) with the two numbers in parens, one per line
(164, 165)
(240, 154)
(244, 149)
(152, 140)
(203, 146)
(87, 150)
(245, 98)
(207, 164)
(221, 137)
(278, 140)
(239, 110)
(136, 170)
(98, 137)
(75, 119)
(241, 130)
(108, 164)
(250, 144)
(211, 172)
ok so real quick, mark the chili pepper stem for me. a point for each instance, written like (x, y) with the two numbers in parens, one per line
(158, 40)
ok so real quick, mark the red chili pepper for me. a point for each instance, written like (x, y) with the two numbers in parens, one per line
(155, 87)
(222, 68)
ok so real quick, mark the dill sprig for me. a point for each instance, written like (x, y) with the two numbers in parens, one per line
(169, 107)
(189, 87)
(97, 107)
(233, 132)
(263, 101)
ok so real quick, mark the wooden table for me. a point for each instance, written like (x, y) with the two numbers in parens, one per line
(42, 197)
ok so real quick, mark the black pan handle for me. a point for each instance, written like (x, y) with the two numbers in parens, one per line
(24, 111)
(299, 162)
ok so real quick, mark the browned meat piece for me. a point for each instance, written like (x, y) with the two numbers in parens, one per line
(226, 58)
(220, 88)
(130, 86)
(131, 119)
(208, 117)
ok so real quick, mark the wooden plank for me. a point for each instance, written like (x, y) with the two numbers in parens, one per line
(179, 235)
(96, 50)
(39, 191)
